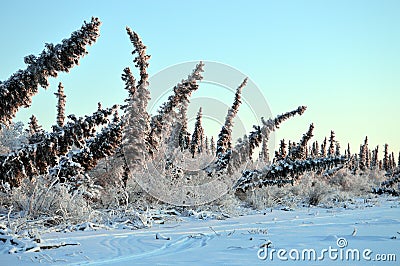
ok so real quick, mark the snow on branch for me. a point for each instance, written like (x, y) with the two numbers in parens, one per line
(18, 90)
(284, 172)
(141, 59)
(300, 150)
(224, 142)
(182, 93)
(36, 158)
(76, 163)
(246, 147)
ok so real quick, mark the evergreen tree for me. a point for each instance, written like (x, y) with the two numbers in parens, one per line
(246, 148)
(182, 93)
(393, 164)
(385, 161)
(60, 105)
(323, 148)
(331, 150)
(206, 147)
(366, 153)
(264, 153)
(337, 151)
(348, 150)
(197, 136)
(315, 148)
(184, 135)
(398, 163)
(34, 126)
(299, 151)
(281, 155)
(224, 144)
(36, 158)
(212, 145)
(374, 162)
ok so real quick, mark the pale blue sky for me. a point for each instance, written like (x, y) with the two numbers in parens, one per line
(340, 58)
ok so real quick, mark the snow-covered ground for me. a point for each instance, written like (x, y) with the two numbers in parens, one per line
(370, 229)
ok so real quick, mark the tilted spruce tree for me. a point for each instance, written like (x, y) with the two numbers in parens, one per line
(284, 172)
(79, 162)
(36, 158)
(224, 142)
(17, 91)
(244, 151)
(299, 150)
(182, 93)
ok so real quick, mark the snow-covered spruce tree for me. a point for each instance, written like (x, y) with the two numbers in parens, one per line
(243, 150)
(224, 142)
(281, 154)
(393, 161)
(36, 158)
(348, 150)
(141, 60)
(35, 130)
(136, 119)
(17, 91)
(34, 126)
(364, 155)
(361, 156)
(77, 163)
(398, 162)
(337, 150)
(184, 135)
(60, 105)
(206, 145)
(284, 172)
(182, 93)
(314, 149)
(272, 124)
(299, 150)
(212, 145)
(323, 148)
(331, 149)
(246, 148)
(264, 153)
(197, 136)
(385, 160)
